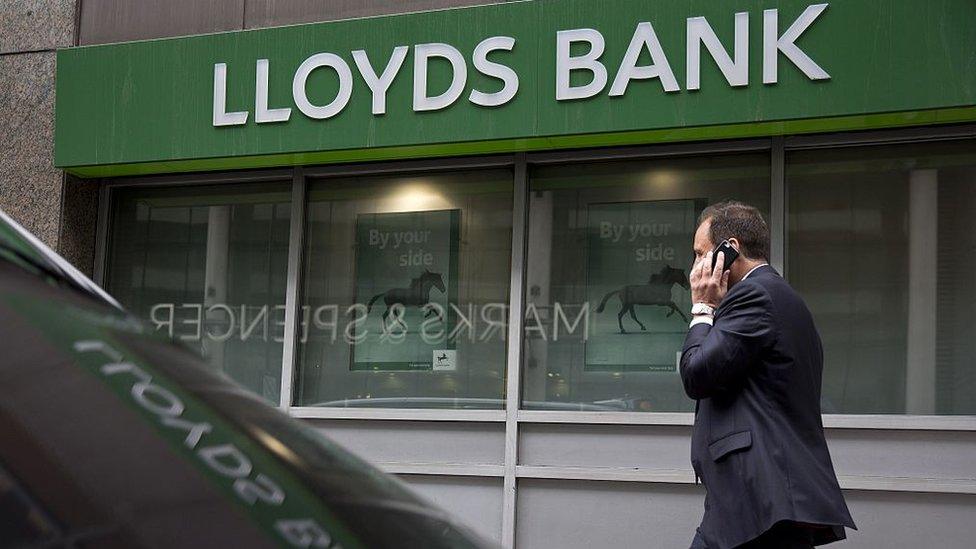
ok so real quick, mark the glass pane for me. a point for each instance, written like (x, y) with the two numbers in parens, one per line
(610, 246)
(406, 291)
(881, 243)
(208, 266)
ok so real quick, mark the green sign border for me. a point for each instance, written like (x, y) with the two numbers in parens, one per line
(145, 107)
(667, 135)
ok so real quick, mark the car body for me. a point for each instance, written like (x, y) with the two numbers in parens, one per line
(113, 436)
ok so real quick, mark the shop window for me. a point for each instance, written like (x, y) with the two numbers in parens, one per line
(881, 244)
(609, 252)
(406, 291)
(207, 266)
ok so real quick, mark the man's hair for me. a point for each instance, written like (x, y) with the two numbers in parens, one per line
(731, 219)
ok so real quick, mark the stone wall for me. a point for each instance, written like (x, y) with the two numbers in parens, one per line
(30, 186)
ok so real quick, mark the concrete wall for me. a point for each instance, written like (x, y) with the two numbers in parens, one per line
(30, 187)
(104, 21)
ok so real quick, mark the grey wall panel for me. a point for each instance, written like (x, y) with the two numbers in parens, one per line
(104, 21)
(585, 515)
(855, 452)
(889, 520)
(419, 442)
(568, 514)
(270, 13)
(475, 502)
(30, 25)
(30, 186)
(652, 447)
(915, 454)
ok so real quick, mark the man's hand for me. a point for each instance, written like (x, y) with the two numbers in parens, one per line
(707, 285)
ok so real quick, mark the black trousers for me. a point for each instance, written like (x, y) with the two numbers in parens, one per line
(783, 535)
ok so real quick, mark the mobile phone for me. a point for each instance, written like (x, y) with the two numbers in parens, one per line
(731, 254)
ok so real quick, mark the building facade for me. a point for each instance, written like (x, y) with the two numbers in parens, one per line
(455, 238)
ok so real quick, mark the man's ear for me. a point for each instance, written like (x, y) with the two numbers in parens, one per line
(735, 244)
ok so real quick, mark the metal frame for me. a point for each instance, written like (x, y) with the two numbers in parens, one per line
(513, 376)
(777, 207)
(296, 247)
(881, 137)
(399, 414)
(101, 234)
(410, 166)
(647, 151)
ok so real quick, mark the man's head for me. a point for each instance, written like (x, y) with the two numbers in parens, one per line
(743, 226)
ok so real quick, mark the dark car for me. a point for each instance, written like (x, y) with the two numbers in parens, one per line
(111, 436)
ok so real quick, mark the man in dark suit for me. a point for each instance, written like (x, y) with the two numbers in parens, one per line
(752, 360)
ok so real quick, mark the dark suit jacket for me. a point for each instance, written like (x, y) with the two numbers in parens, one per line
(758, 443)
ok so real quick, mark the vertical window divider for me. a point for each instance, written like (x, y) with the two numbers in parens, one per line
(296, 248)
(513, 378)
(102, 233)
(777, 206)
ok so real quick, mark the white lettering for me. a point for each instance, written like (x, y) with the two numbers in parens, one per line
(299, 92)
(230, 322)
(247, 330)
(193, 321)
(279, 322)
(227, 460)
(465, 324)
(380, 84)
(165, 321)
(303, 533)
(262, 113)
(493, 323)
(220, 115)
(353, 336)
(566, 64)
(700, 32)
(773, 44)
(195, 431)
(644, 37)
(508, 77)
(331, 323)
(422, 54)
(261, 488)
(533, 323)
(560, 316)
(165, 403)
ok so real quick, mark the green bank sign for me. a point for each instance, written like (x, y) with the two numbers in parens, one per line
(512, 77)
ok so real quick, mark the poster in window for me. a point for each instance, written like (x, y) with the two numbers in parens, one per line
(638, 257)
(406, 280)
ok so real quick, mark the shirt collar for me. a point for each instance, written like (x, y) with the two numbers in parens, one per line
(753, 269)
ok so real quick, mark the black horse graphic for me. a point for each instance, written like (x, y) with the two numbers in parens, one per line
(657, 291)
(417, 294)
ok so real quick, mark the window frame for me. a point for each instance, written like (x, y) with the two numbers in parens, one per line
(512, 416)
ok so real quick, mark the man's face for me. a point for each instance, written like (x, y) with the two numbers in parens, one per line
(703, 240)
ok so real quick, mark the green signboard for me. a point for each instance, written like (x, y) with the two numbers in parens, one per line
(406, 280)
(637, 282)
(513, 76)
